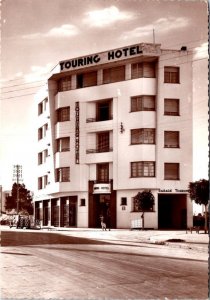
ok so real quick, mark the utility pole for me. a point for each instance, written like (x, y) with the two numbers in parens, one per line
(17, 177)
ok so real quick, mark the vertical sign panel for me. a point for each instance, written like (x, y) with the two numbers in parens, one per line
(77, 133)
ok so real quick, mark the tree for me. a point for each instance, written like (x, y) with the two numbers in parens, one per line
(20, 199)
(144, 201)
(199, 192)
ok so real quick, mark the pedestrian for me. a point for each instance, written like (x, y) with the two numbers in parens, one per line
(103, 224)
(108, 219)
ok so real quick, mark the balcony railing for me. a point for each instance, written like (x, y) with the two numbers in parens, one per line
(90, 120)
(171, 146)
(99, 180)
(88, 151)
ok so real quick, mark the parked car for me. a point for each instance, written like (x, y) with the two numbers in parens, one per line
(19, 221)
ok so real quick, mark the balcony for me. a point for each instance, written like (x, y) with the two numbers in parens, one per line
(63, 127)
(90, 120)
(91, 151)
(97, 126)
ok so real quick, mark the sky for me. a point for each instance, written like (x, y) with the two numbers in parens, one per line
(37, 34)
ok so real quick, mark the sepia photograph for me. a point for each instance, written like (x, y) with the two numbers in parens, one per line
(104, 158)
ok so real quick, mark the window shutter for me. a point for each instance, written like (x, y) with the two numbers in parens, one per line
(171, 139)
(136, 70)
(172, 171)
(114, 74)
(65, 144)
(89, 79)
(171, 107)
(148, 70)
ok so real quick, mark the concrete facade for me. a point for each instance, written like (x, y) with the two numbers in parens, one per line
(110, 127)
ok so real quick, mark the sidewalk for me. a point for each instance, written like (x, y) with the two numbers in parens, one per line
(176, 239)
(181, 239)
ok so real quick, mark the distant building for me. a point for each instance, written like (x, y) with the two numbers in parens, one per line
(1, 199)
(110, 125)
(3, 195)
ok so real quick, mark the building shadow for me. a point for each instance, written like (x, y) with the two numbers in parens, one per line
(21, 238)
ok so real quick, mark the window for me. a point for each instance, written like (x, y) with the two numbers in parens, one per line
(143, 136)
(146, 70)
(171, 74)
(82, 202)
(63, 174)
(63, 114)
(171, 171)
(103, 142)
(149, 70)
(42, 156)
(63, 144)
(45, 155)
(171, 139)
(45, 101)
(171, 107)
(45, 128)
(123, 201)
(143, 169)
(40, 183)
(40, 133)
(103, 111)
(114, 74)
(42, 106)
(103, 173)
(45, 178)
(64, 84)
(136, 70)
(40, 160)
(139, 103)
(87, 79)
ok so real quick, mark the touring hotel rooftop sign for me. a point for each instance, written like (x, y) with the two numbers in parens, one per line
(109, 56)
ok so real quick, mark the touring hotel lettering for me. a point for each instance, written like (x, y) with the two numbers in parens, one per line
(97, 59)
(110, 125)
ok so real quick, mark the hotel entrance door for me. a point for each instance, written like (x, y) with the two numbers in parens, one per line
(101, 204)
(102, 208)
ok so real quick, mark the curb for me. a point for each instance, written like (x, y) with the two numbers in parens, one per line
(179, 244)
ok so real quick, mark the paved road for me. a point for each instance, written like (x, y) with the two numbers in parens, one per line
(43, 265)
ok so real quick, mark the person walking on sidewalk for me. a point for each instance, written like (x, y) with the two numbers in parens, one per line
(108, 219)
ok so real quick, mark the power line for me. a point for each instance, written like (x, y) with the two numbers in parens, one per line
(2, 99)
(6, 87)
(32, 87)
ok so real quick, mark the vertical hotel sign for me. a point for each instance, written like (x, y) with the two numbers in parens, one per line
(77, 133)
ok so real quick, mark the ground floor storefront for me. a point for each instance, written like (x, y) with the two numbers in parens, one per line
(172, 211)
(115, 208)
(58, 212)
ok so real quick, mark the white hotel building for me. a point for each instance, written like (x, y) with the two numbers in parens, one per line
(110, 125)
